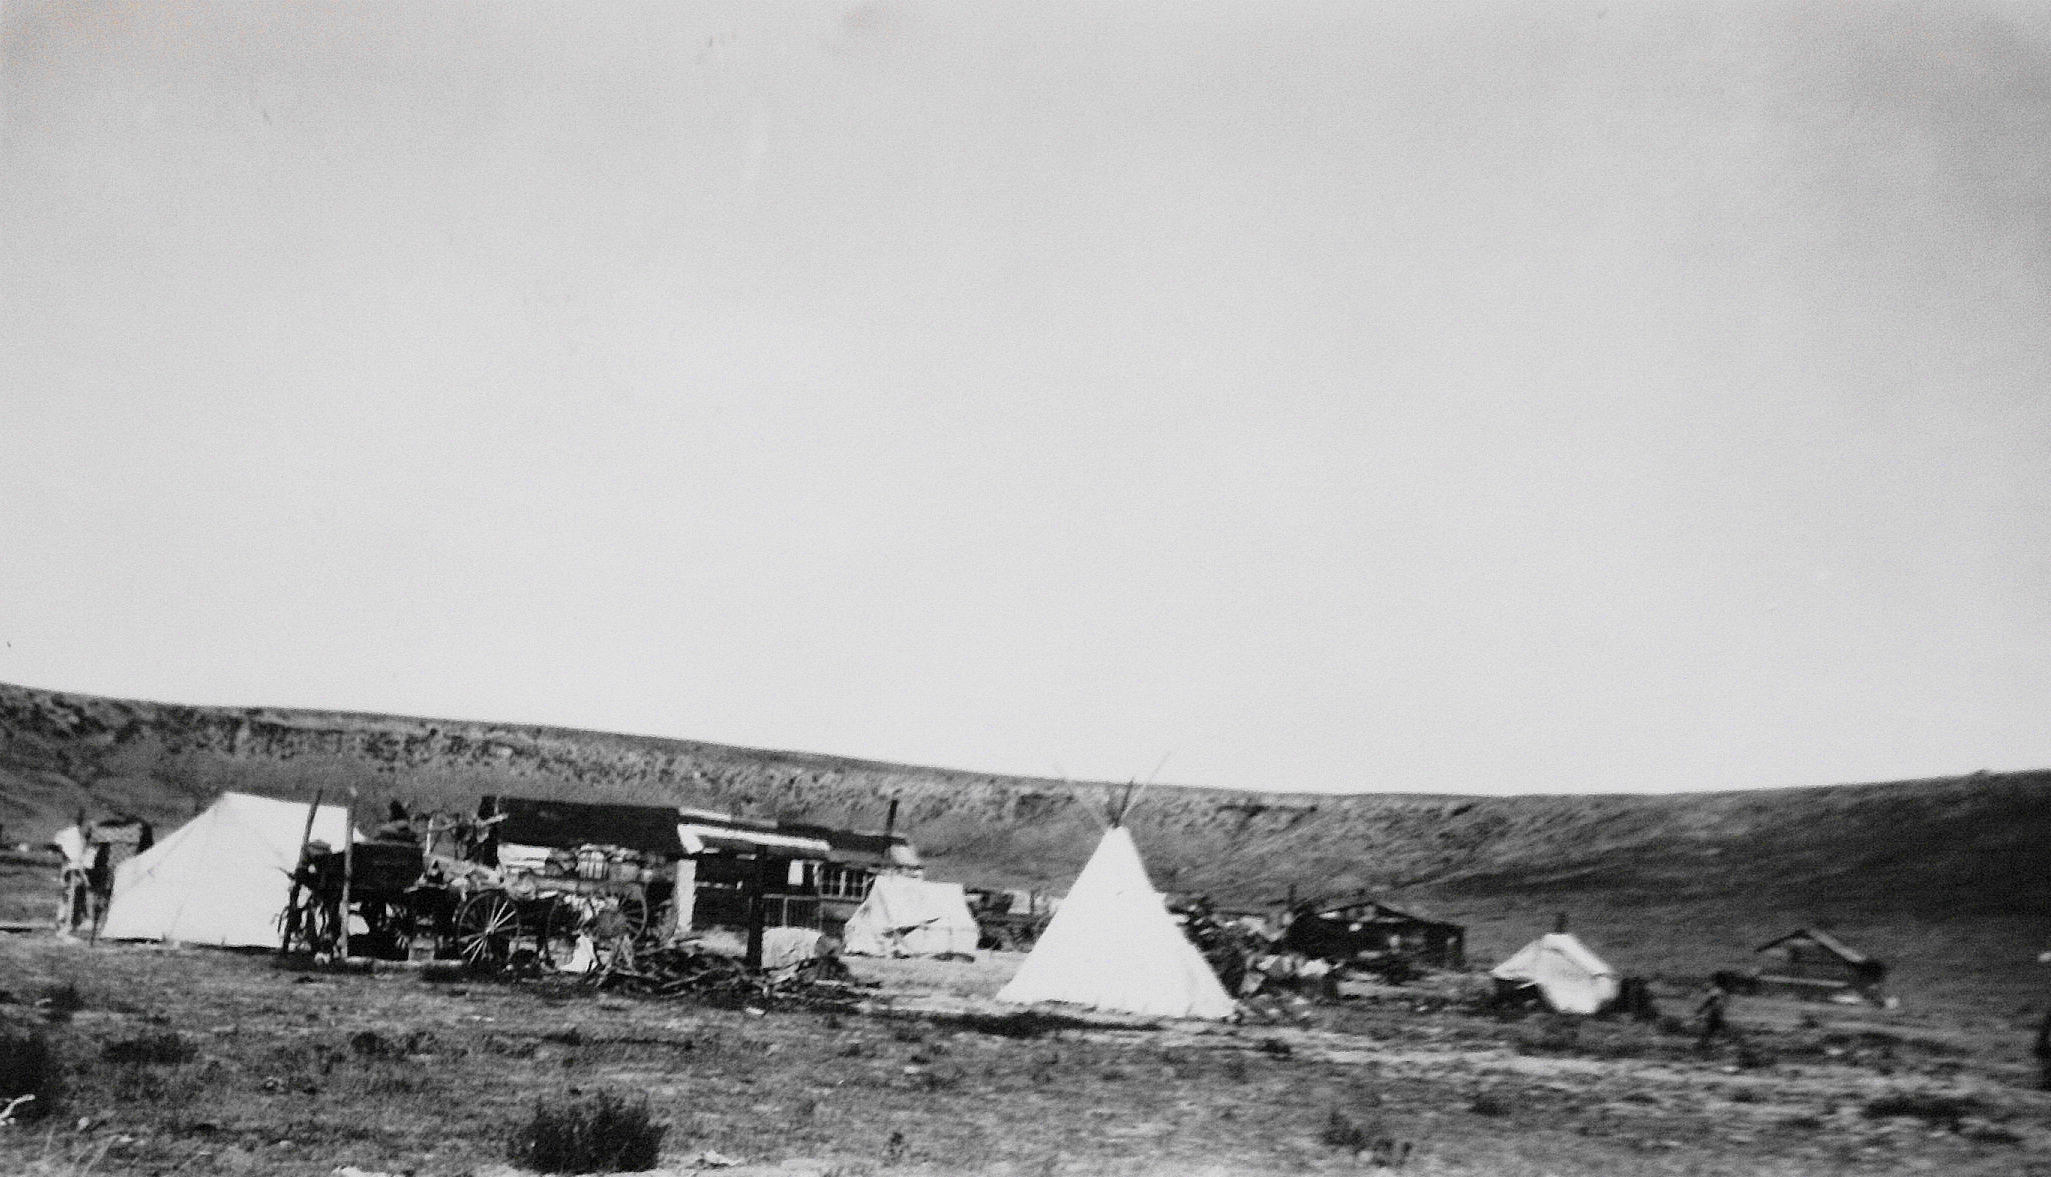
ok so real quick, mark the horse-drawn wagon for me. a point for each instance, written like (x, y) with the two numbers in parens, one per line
(456, 890)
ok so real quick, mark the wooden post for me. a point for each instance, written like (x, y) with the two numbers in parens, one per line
(758, 908)
(305, 838)
(348, 870)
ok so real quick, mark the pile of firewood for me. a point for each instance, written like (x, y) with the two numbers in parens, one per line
(689, 971)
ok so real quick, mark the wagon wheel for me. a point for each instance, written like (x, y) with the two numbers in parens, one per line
(560, 925)
(399, 927)
(395, 926)
(486, 927)
(639, 919)
(617, 929)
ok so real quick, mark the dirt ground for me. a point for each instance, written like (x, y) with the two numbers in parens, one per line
(289, 1071)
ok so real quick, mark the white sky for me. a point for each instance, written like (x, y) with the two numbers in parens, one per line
(1565, 397)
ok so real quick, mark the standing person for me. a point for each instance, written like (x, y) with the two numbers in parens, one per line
(74, 895)
(1712, 1013)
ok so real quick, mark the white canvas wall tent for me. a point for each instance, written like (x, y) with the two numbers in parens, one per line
(1113, 946)
(1572, 979)
(222, 878)
(903, 916)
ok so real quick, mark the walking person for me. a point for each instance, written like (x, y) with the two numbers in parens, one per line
(1712, 1011)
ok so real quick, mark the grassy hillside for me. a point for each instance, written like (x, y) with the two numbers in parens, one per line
(1949, 878)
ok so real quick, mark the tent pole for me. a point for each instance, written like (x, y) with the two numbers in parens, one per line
(348, 871)
(292, 904)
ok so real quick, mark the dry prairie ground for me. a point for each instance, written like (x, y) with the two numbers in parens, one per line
(282, 1071)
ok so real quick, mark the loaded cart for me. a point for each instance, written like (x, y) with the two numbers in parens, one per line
(459, 889)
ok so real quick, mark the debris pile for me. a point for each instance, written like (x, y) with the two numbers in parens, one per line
(687, 970)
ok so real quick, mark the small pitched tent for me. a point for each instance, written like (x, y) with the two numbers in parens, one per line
(223, 878)
(1114, 946)
(1572, 979)
(903, 916)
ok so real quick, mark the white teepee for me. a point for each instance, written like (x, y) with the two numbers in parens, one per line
(1114, 946)
(1572, 979)
(223, 878)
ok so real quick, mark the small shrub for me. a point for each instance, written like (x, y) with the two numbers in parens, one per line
(1383, 1148)
(601, 1134)
(167, 1049)
(510, 1047)
(62, 997)
(59, 1001)
(1341, 1132)
(29, 1071)
(1553, 1034)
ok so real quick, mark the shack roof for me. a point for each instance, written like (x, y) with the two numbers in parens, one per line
(1362, 908)
(856, 847)
(1821, 939)
(674, 832)
(735, 838)
(650, 829)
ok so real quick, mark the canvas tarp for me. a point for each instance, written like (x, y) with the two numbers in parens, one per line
(903, 916)
(223, 878)
(1113, 945)
(1572, 979)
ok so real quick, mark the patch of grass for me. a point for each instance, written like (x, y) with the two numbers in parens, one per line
(1030, 1023)
(30, 1073)
(1991, 1134)
(1752, 1056)
(1931, 1107)
(166, 1049)
(603, 1133)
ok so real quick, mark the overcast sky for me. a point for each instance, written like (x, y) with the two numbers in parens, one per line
(1549, 397)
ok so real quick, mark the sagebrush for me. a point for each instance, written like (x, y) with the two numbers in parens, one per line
(602, 1133)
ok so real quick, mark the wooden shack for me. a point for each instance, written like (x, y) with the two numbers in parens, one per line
(1813, 964)
(812, 876)
(1363, 929)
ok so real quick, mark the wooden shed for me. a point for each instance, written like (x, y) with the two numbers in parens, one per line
(1362, 928)
(1814, 964)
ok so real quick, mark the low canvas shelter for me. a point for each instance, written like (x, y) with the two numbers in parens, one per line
(903, 916)
(1113, 945)
(222, 878)
(1572, 979)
